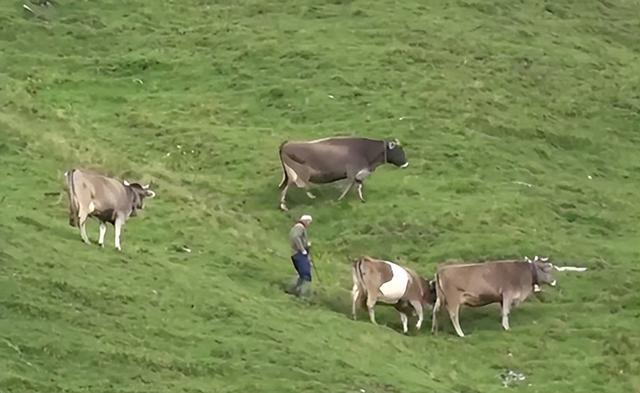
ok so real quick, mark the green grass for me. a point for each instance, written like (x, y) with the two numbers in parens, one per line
(483, 94)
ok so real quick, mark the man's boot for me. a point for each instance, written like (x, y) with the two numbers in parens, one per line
(292, 289)
(303, 289)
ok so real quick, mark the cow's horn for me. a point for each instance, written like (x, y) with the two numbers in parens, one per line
(544, 259)
(151, 193)
(126, 183)
(569, 268)
(526, 258)
(146, 186)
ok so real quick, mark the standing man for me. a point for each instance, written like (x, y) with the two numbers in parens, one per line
(300, 254)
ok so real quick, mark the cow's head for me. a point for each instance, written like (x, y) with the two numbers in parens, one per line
(543, 269)
(140, 192)
(395, 153)
(429, 294)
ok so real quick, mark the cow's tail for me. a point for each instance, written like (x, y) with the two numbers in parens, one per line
(285, 177)
(73, 201)
(439, 289)
(358, 278)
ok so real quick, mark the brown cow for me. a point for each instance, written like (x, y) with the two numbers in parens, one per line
(329, 160)
(508, 282)
(107, 199)
(382, 281)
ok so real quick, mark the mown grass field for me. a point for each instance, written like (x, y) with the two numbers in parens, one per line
(195, 97)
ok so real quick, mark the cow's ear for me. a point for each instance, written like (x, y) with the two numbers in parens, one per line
(126, 183)
(392, 145)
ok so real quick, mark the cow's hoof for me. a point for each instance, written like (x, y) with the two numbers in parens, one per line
(283, 207)
(101, 245)
(311, 196)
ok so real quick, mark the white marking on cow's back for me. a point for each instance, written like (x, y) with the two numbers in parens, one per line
(395, 288)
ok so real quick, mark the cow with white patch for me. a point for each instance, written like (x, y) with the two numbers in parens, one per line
(109, 200)
(328, 160)
(507, 282)
(376, 280)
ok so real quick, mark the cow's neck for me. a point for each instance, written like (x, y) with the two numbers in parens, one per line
(132, 199)
(375, 155)
(534, 273)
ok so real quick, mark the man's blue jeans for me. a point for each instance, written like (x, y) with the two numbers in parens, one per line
(302, 265)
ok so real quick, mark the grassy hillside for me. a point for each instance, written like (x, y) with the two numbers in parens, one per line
(195, 97)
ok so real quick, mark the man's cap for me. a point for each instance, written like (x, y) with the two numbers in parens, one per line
(306, 217)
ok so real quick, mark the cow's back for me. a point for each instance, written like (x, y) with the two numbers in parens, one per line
(487, 280)
(317, 155)
(106, 193)
(316, 162)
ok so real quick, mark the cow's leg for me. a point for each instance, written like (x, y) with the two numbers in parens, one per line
(359, 179)
(118, 229)
(346, 190)
(506, 307)
(283, 196)
(454, 314)
(434, 316)
(405, 321)
(418, 307)
(82, 221)
(103, 231)
(371, 302)
(355, 297)
(359, 189)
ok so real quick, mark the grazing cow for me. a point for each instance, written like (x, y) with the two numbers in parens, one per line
(508, 282)
(382, 281)
(331, 159)
(107, 199)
